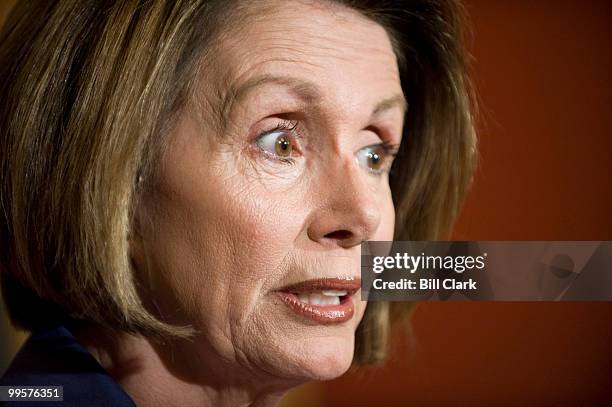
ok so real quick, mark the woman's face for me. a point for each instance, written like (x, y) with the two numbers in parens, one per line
(274, 174)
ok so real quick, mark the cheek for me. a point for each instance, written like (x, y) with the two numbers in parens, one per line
(386, 229)
(222, 248)
(384, 232)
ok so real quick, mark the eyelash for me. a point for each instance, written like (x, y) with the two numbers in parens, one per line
(291, 127)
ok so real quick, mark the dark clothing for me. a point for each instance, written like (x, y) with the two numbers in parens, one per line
(53, 357)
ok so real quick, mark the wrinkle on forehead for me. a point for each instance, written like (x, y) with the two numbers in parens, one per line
(306, 31)
(307, 34)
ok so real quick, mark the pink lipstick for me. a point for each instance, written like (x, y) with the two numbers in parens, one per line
(325, 300)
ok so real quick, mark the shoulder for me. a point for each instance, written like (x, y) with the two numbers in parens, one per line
(53, 357)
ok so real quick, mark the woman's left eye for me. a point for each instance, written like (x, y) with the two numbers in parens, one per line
(375, 158)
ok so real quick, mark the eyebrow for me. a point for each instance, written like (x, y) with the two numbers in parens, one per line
(303, 89)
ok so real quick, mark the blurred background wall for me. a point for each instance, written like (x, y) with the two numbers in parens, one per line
(542, 70)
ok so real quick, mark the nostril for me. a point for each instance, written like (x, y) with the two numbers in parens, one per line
(339, 235)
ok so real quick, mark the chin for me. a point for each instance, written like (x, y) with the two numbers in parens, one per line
(318, 357)
(318, 352)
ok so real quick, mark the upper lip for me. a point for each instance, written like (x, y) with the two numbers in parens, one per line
(349, 284)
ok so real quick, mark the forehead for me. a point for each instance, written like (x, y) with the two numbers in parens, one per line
(333, 46)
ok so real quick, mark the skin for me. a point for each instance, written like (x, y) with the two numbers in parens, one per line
(225, 222)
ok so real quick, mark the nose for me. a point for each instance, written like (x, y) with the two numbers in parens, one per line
(348, 211)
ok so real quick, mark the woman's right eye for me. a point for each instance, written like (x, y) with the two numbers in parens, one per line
(276, 143)
(280, 143)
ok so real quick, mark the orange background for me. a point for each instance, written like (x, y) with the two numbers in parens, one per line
(542, 71)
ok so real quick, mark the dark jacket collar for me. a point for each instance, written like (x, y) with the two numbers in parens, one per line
(53, 357)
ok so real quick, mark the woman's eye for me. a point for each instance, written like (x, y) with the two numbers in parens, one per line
(276, 143)
(373, 158)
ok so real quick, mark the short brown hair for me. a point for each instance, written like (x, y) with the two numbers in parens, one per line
(89, 91)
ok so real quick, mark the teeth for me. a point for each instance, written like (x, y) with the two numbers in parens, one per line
(337, 293)
(326, 298)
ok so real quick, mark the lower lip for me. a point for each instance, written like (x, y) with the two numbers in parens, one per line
(323, 314)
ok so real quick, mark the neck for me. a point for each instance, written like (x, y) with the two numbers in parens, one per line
(154, 375)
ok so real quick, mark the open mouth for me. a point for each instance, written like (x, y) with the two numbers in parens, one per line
(327, 300)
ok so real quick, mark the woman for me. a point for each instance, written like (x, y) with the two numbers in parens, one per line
(185, 185)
